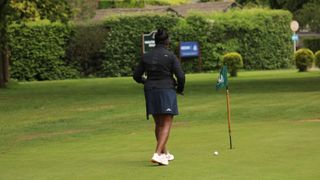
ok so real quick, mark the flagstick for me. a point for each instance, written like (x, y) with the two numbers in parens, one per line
(228, 109)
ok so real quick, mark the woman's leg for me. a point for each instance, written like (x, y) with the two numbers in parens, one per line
(162, 131)
(157, 122)
(158, 125)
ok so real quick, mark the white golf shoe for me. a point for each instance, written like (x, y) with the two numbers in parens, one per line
(160, 159)
(169, 156)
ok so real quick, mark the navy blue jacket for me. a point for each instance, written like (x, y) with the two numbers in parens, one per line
(159, 65)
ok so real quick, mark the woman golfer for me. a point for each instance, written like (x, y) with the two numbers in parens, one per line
(160, 88)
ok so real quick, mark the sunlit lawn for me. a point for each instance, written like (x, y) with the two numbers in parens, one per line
(96, 129)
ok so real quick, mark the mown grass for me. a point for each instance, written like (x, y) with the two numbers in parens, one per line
(96, 129)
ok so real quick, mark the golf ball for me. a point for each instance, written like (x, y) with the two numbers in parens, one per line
(216, 153)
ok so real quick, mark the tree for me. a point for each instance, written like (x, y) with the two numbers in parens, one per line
(4, 70)
(32, 10)
(309, 15)
(291, 5)
(22, 11)
(83, 9)
(53, 10)
(253, 2)
(305, 11)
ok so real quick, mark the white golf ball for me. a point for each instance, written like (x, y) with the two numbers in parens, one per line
(216, 153)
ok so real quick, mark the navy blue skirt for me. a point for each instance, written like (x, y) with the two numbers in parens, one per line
(161, 101)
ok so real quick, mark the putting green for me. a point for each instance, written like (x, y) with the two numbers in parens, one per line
(96, 129)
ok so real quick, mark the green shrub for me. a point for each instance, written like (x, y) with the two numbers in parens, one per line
(304, 59)
(234, 62)
(38, 50)
(312, 43)
(317, 58)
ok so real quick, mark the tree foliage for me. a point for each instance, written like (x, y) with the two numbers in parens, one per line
(32, 10)
(53, 10)
(309, 15)
(83, 9)
(305, 11)
(253, 2)
(291, 5)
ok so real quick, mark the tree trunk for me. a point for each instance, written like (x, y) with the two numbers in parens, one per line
(4, 58)
(2, 79)
(6, 74)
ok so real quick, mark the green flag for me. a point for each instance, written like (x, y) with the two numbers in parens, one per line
(222, 78)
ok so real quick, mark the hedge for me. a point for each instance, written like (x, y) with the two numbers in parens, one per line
(38, 51)
(123, 43)
(261, 36)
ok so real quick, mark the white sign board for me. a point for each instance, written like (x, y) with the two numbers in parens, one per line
(294, 25)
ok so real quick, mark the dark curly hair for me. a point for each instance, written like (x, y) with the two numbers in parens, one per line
(161, 37)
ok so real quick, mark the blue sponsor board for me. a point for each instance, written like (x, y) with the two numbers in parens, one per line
(189, 49)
